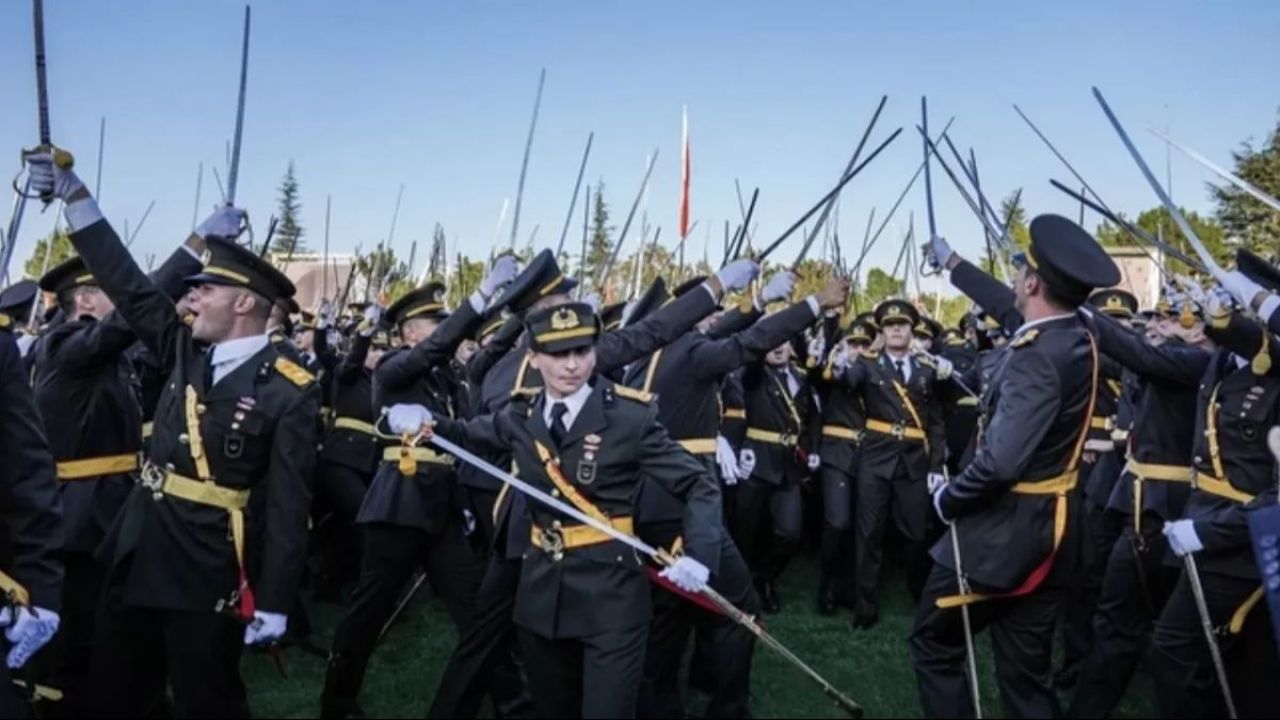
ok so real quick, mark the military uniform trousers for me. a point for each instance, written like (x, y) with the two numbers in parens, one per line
(878, 500)
(66, 663)
(391, 554)
(1022, 635)
(1134, 590)
(1186, 685)
(484, 659)
(725, 647)
(837, 530)
(339, 491)
(1100, 529)
(597, 676)
(765, 505)
(144, 654)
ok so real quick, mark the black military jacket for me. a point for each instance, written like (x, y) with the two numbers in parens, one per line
(88, 392)
(614, 443)
(351, 396)
(418, 375)
(872, 376)
(30, 507)
(772, 408)
(1164, 421)
(1036, 406)
(257, 426)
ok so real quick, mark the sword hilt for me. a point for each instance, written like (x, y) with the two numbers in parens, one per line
(61, 158)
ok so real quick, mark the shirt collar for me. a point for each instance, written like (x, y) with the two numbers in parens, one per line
(1028, 325)
(238, 349)
(575, 402)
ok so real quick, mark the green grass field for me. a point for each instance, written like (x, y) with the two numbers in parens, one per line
(872, 667)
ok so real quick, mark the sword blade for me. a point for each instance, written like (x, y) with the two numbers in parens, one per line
(1206, 623)
(928, 174)
(524, 164)
(1239, 182)
(42, 75)
(233, 170)
(577, 187)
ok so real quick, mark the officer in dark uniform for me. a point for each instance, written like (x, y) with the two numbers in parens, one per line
(686, 376)
(780, 451)
(1011, 509)
(583, 602)
(1238, 401)
(904, 445)
(1152, 490)
(87, 390)
(843, 428)
(31, 514)
(349, 455)
(16, 304)
(214, 535)
(411, 513)
(961, 408)
(488, 643)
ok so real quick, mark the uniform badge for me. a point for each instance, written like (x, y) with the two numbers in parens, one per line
(586, 470)
(233, 446)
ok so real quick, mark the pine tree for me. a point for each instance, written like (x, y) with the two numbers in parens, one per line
(289, 231)
(62, 251)
(600, 242)
(1245, 219)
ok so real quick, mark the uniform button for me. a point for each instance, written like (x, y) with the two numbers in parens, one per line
(201, 408)
(1199, 460)
(184, 438)
(555, 493)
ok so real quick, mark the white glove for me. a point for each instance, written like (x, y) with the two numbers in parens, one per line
(943, 366)
(1193, 290)
(727, 461)
(405, 418)
(324, 315)
(746, 462)
(688, 574)
(841, 358)
(1182, 537)
(500, 275)
(1241, 287)
(779, 287)
(937, 504)
(938, 252)
(369, 325)
(1219, 303)
(593, 299)
(49, 179)
(935, 481)
(738, 274)
(226, 222)
(266, 628)
(814, 462)
(32, 629)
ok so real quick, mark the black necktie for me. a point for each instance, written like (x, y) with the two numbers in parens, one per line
(208, 369)
(557, 427)
(902, 373)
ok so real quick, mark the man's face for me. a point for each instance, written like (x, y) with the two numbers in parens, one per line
(1022, 287)
(90, 300)
(860, 347)
(466, 349)
(565, 373)
(216, 308)
(307, 340)
(415, 330)
(897, 336)
(780, 355)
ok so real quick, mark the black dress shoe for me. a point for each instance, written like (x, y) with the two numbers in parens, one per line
(769, 599)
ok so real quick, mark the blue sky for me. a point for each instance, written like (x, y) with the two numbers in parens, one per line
(367, 95)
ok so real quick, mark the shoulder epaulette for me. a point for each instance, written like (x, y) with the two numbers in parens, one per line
(871, 355)
(1025, 339)
(525, 392)
(633, 394)
(5, 321)
(293, 372)
(277, 338)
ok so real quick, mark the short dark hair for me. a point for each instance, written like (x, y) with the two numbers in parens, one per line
(1054, 298)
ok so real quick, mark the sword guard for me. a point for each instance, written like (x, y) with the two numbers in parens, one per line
(61, 158)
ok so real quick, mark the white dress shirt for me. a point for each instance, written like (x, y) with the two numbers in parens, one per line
(573, 402)
(229, 355)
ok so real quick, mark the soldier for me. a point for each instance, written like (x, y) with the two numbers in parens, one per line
(583, 602)
(31, 515)
(902, 451)
(411, 513)
(214, 535)
(1152, 490)
(1011, 508)
(87, 390)
(487, 646)
(843, 428)
(780, 451)
(350, 454)
(16, 304)
(686, 376)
